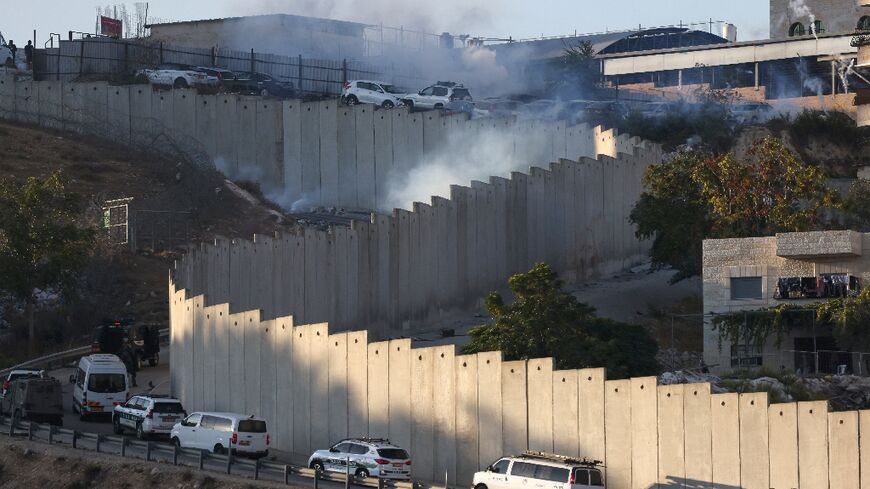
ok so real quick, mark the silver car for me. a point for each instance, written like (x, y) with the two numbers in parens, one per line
(363, 458)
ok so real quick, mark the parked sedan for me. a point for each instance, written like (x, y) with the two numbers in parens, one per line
(178, 76)
(263, 84)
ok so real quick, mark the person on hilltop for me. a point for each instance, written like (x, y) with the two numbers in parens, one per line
(13, 49)
(28, 54)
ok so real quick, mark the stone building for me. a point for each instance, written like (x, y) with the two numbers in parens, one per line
(790, 18)
(748, 274)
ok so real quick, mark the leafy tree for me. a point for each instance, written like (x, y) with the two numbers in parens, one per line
(576, 72)
(544, 321)
(857, 205)
(42, 245)
(695, 196)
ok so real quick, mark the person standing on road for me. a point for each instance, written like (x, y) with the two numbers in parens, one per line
(28, 55)
(13, 49)
(127, 356)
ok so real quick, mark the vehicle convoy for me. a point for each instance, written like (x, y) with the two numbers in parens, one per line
(18, 374)
(34, 398)
(371, 92)
(219, 432)
(438, 96)
(539, 469)
(364, 457)
(147, 416)
(99, 384)
(178, 76)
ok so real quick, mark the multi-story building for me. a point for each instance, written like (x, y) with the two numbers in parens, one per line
(752, 274)
(790, 18)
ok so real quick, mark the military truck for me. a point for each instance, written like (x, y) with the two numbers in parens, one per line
(34, 398)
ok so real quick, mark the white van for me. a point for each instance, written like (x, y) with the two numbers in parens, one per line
(539, 469)
(99, 384)
(218, 432)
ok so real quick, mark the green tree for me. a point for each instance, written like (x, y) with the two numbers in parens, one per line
(695, 196)
(576, 72)
(543, 321)
(42, 244)
(857, 205)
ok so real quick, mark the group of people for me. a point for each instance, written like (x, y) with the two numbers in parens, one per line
(28, 52)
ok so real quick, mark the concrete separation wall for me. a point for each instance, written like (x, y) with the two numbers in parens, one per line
(403, 272)
(319, 153)
(458, 413)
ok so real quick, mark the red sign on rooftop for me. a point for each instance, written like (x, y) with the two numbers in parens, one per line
(110, 27)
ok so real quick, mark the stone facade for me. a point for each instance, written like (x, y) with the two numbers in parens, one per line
(837, 16)
(769, 259)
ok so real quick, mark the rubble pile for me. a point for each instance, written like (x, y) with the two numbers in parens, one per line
(844, 392)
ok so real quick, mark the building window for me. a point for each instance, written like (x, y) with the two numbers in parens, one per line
(746, 356)
(818, 27)
(746, 288)
(864, 23)
(796, 29)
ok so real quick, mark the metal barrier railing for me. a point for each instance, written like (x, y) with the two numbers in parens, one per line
(153, 452)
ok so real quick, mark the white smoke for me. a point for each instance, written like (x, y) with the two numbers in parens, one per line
(455, 15)
(465, 157)
(800, 10)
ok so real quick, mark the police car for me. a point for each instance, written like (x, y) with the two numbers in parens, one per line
(540, 469)
(364, 457)
(147, 415)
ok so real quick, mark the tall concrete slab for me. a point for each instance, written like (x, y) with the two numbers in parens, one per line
(141, 123)
(338, 387)
(347, 161)
(365, 157)
(725, 415)
(268, 144)
(468, 460)
(644, 433)
(566, 413)
(162, 114)
(864, 440)
(7, 96)
(252, 352)
(812, 444)
(246, 139)
(310, 151)
(283, 420)
(514, 382)
(423, 412)
(540, 389)
(400, 392)
(329, 152)
(208, 361)
(184, 117)
(444, 406)
(591, 406)
(118, 113)
(226, 147)
(237, 358)
(845, 466)
(697, 416)
(754, 441)
(268, 374)
(357, 383)
(383, 148)
(221, 355)
(379, 374)
(490, 414)
(319, 354)
(671, 449)
(26, 105)
(618, 428)
(291, 124)
(206, 122)
(783, 449)
(302, 335)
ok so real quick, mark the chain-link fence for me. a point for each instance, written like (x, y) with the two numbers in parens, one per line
(107, 58)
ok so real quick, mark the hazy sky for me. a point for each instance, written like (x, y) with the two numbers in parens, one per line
(491, 18)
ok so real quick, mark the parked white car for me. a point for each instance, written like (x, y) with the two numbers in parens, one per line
(178, 76)
(365, 457)
(99, 384)
(438, 96)
(538, 469)
(147, 415)
(371, 92)
(219, 432)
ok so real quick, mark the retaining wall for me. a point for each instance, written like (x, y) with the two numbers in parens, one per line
(321, 153)
(458, 413)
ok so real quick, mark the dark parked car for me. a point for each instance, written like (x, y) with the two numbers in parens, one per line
(263, 84)
(34, 398)
(223, 75)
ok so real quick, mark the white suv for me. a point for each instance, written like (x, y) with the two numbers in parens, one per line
(371, 92)
(540, 469)
(366, 457)
(438, 96)
(220, 432)
(147, 415)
